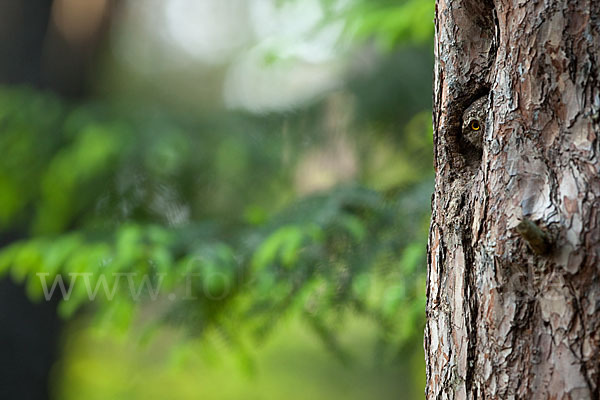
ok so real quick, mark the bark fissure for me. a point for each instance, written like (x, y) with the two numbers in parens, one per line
(472, 310)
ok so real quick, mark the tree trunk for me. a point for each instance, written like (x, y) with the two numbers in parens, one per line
(513, 296)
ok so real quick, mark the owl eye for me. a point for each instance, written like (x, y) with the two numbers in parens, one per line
(475, 125)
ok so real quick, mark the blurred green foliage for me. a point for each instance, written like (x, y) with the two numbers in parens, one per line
(292, 365)
(91, 199)
(392, 23)
(93, 208)
(158, 219)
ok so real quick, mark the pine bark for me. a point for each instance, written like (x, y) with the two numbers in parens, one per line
(504, 319)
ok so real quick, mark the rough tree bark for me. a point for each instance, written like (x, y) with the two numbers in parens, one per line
(504, 318)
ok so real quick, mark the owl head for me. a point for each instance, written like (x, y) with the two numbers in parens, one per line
(473, 125)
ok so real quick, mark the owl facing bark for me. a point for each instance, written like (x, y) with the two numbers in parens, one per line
(473, 126)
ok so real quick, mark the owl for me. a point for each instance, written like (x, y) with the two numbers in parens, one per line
(473, 126)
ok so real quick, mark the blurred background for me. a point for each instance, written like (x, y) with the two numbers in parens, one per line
(214, 199)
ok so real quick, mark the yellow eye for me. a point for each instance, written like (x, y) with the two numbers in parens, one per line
(475, 125)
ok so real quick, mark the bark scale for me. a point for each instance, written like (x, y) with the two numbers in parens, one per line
(504, 321)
